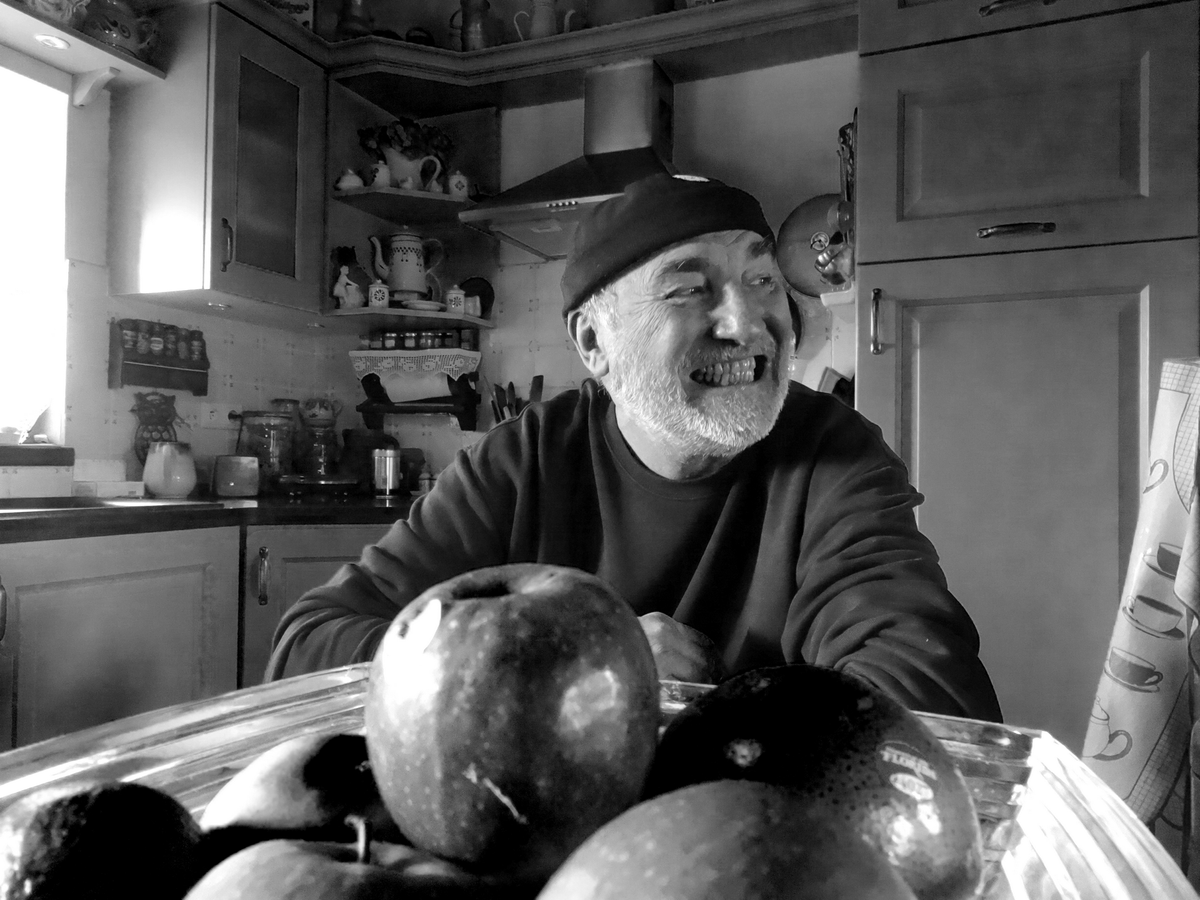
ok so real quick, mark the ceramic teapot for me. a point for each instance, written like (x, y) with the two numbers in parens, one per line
(407, 262)
(113, 22)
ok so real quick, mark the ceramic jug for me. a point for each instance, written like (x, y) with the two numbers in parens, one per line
(406, 263)
(170, 470)
(476, 29)
(412, 172)
(541, 20)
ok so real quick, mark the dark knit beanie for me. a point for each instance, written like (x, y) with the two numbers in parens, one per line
(651, 215)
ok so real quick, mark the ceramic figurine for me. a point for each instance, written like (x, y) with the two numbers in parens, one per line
(351, 282)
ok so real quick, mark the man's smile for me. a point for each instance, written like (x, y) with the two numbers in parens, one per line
(731, 372)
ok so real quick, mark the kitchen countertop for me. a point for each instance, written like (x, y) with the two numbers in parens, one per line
(26, 520)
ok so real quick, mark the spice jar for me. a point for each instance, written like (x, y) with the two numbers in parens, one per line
(143, 337)
(376, 340)
(425, 340)
(389, 340)
(197, 343)
(183, 346)
(128, 334)
(449, 338)
(156, 339)
(409, 340)
(171, 341)
(466, 339)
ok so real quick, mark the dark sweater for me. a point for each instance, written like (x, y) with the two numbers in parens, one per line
(804, 548)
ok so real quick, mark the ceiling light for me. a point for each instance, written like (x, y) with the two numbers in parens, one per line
(218, 305)
(52, 41)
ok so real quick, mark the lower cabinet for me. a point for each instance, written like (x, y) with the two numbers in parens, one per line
(282, 563)
(94, 629)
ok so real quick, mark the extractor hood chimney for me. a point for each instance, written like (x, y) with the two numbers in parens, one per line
(627, 120)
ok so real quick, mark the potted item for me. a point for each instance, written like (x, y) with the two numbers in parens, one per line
(414, 153)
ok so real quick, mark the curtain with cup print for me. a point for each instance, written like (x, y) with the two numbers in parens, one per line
(1139, 737)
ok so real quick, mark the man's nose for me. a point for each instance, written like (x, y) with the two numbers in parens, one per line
(739, 316)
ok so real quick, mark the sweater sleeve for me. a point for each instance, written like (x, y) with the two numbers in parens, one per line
(872, 599)
(455, 528)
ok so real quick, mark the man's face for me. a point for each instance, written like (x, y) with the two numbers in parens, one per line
(697, 349)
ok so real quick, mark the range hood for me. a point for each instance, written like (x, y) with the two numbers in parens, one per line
(627, 119)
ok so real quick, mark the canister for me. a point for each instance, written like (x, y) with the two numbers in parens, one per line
(387, 474)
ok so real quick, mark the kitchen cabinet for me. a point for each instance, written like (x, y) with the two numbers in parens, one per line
(283, 562)
(1018, 390)
(1015, 375)
(892, 24)
(216, 185)
(1088, 126)
(93, 629)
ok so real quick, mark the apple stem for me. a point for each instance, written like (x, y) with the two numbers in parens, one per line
(362, 831)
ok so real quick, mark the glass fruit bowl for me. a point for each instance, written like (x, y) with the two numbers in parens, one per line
(1052, 829)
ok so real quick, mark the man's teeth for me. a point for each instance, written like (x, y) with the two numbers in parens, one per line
(723, 374)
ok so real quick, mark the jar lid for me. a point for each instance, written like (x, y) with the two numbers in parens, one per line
(385, 452)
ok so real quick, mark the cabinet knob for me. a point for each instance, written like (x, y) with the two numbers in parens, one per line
(228, 229)
(876, 347)
(1000, 5)
(1016, 229)
(264, 575)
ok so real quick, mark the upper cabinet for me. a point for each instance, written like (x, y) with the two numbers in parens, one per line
(892, 24)
(217, 174)
(1070, 134)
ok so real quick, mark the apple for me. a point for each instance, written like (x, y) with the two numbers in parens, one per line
(92, 839)
(323, 870)
(510, 712)
(308, 784)
(732, 840)
(857, 756)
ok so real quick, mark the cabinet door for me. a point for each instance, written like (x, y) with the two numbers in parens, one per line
(1019, 391)
(889, 24)
(106, 627)
(1089, 125)
(268, 167)
(282, 563)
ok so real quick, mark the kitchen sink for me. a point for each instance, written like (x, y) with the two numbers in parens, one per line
(26, 505)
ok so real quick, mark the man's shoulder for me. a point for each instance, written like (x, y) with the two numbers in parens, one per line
(822, 421)
(558, 418)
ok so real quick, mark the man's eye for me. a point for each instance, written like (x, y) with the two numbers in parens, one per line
(687, 290)
(763, 280)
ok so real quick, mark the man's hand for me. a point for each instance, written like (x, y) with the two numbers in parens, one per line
(682, 653)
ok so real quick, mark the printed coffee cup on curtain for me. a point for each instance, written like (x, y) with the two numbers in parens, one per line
(1132, 671)
(1102, 742)
(1154, 614)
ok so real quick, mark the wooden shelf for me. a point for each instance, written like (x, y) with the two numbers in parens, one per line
(84, 55)
(404, 207)
(706, 41)
(417, 318)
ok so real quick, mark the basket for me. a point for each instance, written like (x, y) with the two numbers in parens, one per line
(414, 374)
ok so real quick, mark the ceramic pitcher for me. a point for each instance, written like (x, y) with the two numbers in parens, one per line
(406, 262)
(541, 20)
(170, 470)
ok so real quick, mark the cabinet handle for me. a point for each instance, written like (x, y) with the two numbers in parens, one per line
(228, 244)
(1014, 229)
(264, 575)
(1000, 5)
(876, 347)
(3, 611)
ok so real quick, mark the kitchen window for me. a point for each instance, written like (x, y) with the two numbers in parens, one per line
(33, 267)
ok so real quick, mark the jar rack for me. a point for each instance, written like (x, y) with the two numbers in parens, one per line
(130, 367)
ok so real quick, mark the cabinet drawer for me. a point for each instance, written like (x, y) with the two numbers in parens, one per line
(1090, 125)
(891, 24)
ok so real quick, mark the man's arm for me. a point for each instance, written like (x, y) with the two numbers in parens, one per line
(449, 531)
(872, 598)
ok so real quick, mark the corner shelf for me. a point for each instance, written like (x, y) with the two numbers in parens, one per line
(404, 207)
(417, 318)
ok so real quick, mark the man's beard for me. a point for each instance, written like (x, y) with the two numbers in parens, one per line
(715, 423)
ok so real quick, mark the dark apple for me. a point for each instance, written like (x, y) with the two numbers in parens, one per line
(732, 840)
(93, 839)
(510, 712)
(856, 755)
(307, 784)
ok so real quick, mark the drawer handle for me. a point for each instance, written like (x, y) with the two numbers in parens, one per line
(1000, 5)
(876, 347)
(228, 244)
(1014, 229)
(264, 575)
(3, 611)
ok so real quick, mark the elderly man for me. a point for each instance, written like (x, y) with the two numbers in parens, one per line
(747, 520)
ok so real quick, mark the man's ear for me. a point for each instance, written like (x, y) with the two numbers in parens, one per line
(581, 327)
